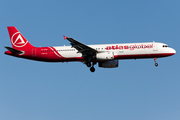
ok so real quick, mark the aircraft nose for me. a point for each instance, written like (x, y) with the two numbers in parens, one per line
(173, 51)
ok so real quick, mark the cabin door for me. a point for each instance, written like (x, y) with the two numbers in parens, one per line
(34, 52)
(155, 46)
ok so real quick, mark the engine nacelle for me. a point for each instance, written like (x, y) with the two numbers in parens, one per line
(105, 56)
(109, 64)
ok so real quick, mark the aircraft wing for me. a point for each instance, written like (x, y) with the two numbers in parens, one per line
(82, 48)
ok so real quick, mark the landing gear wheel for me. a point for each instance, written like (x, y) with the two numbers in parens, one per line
(92, 69)
(156, 64)
(88, 64)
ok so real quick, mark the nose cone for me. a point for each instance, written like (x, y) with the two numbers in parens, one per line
(173, 51)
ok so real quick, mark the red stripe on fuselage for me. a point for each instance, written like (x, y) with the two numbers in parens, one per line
(55, 52)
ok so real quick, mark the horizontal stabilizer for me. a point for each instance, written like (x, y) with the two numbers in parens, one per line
(14, 50)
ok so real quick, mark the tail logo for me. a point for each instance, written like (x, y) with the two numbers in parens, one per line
(17, 40)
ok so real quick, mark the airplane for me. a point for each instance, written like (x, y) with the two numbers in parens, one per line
(106, 55)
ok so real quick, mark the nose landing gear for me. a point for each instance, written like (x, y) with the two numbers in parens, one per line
(155, 60)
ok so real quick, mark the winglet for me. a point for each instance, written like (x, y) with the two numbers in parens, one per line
(65, 37)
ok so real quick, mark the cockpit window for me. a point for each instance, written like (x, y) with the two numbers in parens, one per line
(165, 46)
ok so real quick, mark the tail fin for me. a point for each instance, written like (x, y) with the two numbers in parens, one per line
(17, 39)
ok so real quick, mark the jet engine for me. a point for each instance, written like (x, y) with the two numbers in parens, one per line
(105, 56)
(109, 64)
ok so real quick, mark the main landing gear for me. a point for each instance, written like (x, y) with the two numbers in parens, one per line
(92, 69)
(155, 60)
(88, 64)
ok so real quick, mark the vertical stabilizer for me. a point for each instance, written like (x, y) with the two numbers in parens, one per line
(17, 39)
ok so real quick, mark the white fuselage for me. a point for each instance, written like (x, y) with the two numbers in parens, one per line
(126, 49)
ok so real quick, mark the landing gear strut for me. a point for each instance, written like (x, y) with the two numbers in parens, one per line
(155, 60)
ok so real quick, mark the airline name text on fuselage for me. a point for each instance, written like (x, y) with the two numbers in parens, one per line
(130, 47)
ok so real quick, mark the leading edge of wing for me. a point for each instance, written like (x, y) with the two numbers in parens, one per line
(82, 48)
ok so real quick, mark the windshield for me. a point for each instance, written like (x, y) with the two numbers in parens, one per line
(165, 46)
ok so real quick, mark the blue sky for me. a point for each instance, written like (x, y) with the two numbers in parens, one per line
(136, 90)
